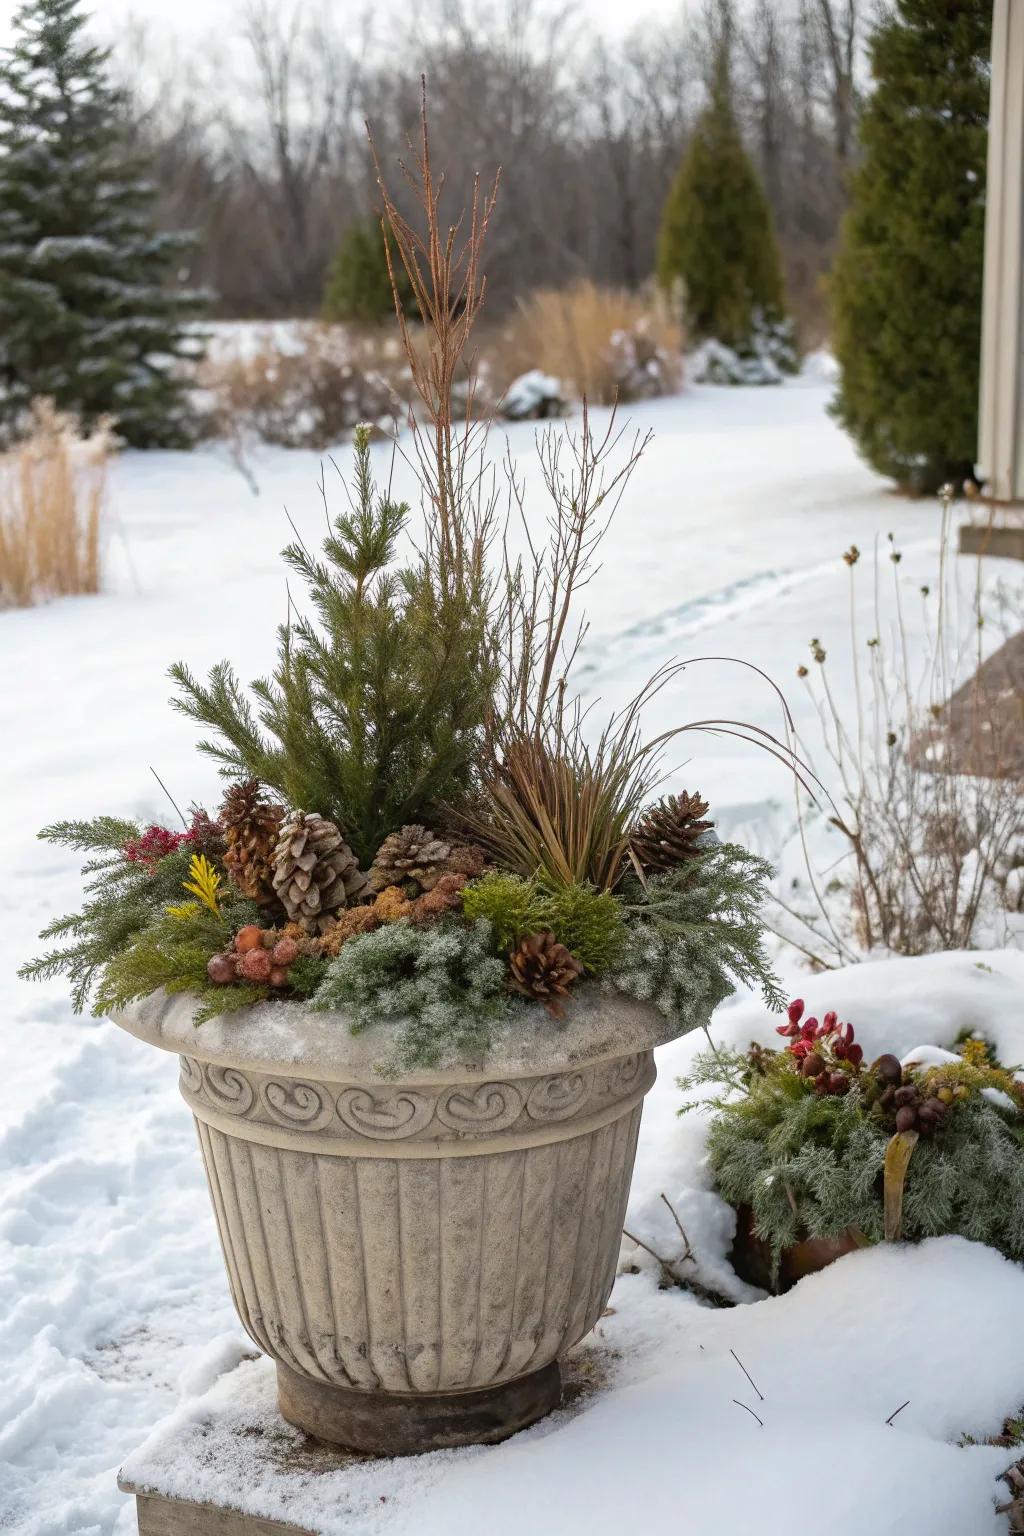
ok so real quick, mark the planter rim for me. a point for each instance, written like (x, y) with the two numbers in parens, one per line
(289, 1037)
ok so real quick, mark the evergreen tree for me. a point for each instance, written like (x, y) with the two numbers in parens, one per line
(717, 239)
(907, 283)
(358, 285)
(89, 314)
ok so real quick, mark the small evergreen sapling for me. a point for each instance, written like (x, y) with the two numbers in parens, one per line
(375, 709)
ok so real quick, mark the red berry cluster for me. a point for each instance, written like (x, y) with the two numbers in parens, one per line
(259, 955)
(157, 842)
(822, 1049)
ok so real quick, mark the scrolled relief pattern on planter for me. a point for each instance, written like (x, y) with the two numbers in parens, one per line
(340, 1112)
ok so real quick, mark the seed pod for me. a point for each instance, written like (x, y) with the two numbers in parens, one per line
(249, 937)
(889, 1069)
(221, 969)
(255, 965)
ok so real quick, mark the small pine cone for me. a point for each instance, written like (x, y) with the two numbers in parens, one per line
(543, 970)
(412, 854)
(315, 871)
(252, 826)
(442, 898)
(668, 834)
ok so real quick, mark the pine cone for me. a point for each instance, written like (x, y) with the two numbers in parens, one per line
(315, 871)
(251, 829)
(668, 833)
(412, 854)
(543, 970)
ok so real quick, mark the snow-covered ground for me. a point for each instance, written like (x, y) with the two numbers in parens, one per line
(112, 1296)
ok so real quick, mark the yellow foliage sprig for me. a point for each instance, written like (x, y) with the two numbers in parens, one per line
(204, 882)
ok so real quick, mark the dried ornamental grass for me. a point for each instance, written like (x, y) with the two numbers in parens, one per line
(52, 491)
(607, 343)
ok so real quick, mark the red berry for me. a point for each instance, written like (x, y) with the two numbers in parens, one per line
(249, 937)
(221, 969)
(284, 952)
(255, 965)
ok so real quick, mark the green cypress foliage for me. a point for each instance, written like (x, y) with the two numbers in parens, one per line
(907, 283)
(375, 709)
(89, 314)
(358, 284)
(717, 240)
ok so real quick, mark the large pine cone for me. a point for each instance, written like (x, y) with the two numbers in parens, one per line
(669, 833)
(252, 826)
(412, 854)
(315, 871)
(543, 970)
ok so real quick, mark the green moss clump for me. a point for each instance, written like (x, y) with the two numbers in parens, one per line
(587, 921)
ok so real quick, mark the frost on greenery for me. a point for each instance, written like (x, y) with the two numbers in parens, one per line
(695, 932)
(445, 982)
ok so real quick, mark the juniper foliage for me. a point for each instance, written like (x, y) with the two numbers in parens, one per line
(693, 932)
(91, 315)
(375, 709)
(444, 982)
(171, 952)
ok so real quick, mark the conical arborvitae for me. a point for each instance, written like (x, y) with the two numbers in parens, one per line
(906, 287)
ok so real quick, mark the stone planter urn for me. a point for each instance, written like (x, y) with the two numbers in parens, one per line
(415, 1248)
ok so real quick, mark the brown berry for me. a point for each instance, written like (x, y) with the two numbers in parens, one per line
(889, 1069)
(284, 952)
(839, 1083)
(906, 1095)
(249, 937)
(221, 969)
(279, 976)
(813, 1065)
(255, 965)
(906, 1118)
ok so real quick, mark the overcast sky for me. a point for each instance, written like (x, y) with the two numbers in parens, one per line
(191, 20)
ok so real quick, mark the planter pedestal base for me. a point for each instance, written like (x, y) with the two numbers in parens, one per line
(389, 1424)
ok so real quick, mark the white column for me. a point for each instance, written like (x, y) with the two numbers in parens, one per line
(1001, 424)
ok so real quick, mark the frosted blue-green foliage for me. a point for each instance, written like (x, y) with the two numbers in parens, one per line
(446, 981)
(695, 931)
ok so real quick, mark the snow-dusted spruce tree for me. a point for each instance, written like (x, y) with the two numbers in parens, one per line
(91, 312)
(717, 246)
(907, 282)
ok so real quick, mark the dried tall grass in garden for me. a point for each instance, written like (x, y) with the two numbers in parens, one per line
(52, 490)
(931, 794)
(605, 343)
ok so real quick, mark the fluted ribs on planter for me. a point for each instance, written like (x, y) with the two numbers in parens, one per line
(426, 1274)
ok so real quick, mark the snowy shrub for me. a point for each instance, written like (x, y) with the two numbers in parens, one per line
(929, 775)
(307, 390)
(767, 357)
(445, 981)
(602, 343)
(52, 487)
